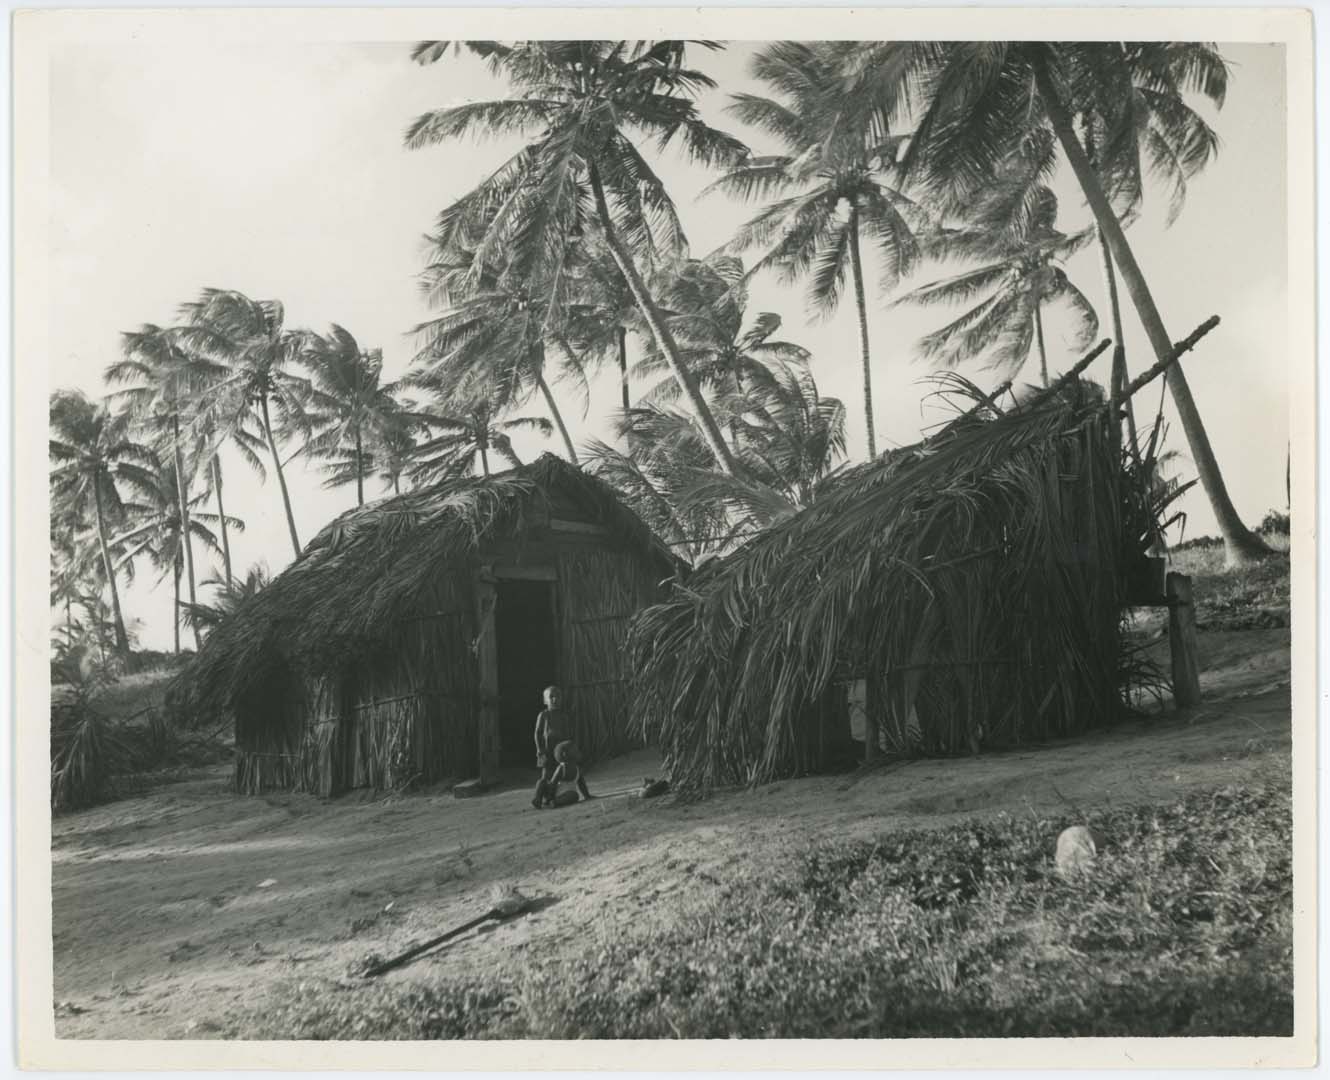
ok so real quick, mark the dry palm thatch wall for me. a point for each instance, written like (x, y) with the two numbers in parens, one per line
(601, 591)
(973, 581)
(357, 667)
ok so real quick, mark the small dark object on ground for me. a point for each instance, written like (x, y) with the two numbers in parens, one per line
(652, 787)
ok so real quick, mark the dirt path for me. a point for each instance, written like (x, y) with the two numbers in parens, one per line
(174, 909)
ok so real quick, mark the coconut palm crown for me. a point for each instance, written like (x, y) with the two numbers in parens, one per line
(1020, 274)
(95, 465)
(585, 105)
(970, 103)
(833, 187)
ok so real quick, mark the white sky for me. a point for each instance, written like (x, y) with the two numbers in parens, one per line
(279, 171)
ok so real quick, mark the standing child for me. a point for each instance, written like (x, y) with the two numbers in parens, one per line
(557, 756)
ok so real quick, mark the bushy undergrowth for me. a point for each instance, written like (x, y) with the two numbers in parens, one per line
(1182, 928)
(109, 735)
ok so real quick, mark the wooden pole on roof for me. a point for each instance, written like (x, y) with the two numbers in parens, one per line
(1070, 376)
(1185, 345)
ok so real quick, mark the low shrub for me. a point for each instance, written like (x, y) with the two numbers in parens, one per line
(99, 749)
(1275, 524)
(85, 755)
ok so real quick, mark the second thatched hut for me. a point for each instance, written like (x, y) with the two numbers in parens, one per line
(967, 590)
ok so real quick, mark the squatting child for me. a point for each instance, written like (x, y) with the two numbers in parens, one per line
(557, 756)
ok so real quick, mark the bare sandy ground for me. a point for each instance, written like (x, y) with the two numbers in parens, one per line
(173, 910)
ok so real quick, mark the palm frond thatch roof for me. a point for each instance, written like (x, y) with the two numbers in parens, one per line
(369, 568)
(990, 553)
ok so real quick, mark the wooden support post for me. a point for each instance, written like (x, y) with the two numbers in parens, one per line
(1182, 641)
(873, 704)
(487, 658)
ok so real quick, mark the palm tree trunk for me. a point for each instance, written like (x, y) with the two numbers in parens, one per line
(281, 480)
(397, 487)
(484, 459)
(1240, 543)
(856, 265)
(360, 471)
(221, 516)
(1118, 380)
(175, 610)
(623, 368)
(1039, 342)
(1119, 342)
(121, 638)
(553, 406)
(660, 332)
(183, 504)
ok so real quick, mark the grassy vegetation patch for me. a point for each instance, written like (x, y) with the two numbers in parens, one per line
(1182, 928)
(1254, 597)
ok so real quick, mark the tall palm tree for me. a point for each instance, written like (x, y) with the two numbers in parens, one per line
(166, 381)
(971, 102)
(349, 404)
(229, 423)
(601, 313)
(461, 433)
(249, 351)
(93, 456)
(74, 553)
(386, 454)
(228, 595)
(1135, 119)
(834, 186)
(707, 301)
(1020, 275)
(491, 343)
(155, 528)
(790, 444)
(793, 443)
(582, 102)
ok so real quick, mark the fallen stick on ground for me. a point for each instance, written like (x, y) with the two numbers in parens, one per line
(509, 906)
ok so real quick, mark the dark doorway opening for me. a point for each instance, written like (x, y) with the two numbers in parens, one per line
(524, 631)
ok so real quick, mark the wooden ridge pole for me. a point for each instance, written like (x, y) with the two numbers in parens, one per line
(1063, 380)
(1184, 346)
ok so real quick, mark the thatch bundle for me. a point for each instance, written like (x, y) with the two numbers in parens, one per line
(358, 665)
(973, 582)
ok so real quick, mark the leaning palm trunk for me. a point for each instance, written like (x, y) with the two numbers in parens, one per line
(221, 516)
(858, 269)
(281, 479)
(1240, 543)
(1039, 341)
(175, 608)
(553, 406)
(121, 638)
(182, 500)
(360, 470)
(660, 332)
(623, 368)
(1119, 382)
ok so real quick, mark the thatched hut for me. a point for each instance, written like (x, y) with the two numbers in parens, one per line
(970, 588)
(413, 636)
